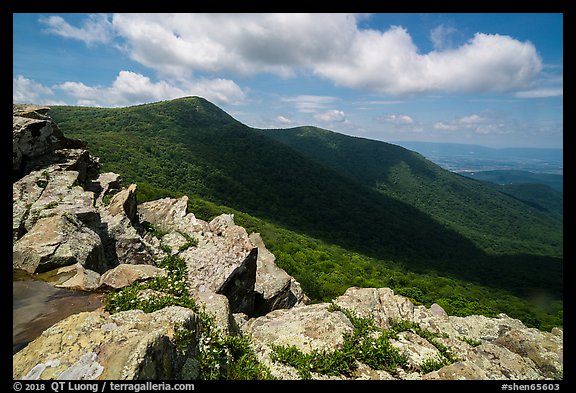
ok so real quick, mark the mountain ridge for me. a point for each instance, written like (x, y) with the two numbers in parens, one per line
(407, 175)
(217, 122)
(161, 147)
(297, 192)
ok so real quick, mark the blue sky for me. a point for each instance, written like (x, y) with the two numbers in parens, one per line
(489, 79)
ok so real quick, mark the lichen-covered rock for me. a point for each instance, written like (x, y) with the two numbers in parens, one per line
(382, 305)
(218, 307)
(57, 241)
(33, 134)
(47, 192)
(61, 194)
(104, 184)
(123, 242)
(224, 259)
(543, 348)
(83, 279)
(499, 363)
(466, 370)
(124, 203)
(473, 347)
(308, 328)
(94, 345)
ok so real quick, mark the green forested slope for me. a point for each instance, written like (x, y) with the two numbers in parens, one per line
(332, 230)
(496, 222)
(192, 146)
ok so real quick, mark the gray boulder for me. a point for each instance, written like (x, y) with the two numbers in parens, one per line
(58, 241)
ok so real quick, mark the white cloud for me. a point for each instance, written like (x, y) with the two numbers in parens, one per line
(389, 62)
(330, 45)
(178, 46)
(440, 37)
(444, 126)
(472, 119)
(130, 88)
(244, 44)
(476, 124)
(541, 93)
(331, 116)
(310, 103)
(550, 84)
(397, 119)
(27, 91)
(96, 29)
(283, 120)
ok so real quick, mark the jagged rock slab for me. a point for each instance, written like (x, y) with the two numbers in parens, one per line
(83, 279)
(274, 287)
(223, 261)
(171, 215)
(119, 222)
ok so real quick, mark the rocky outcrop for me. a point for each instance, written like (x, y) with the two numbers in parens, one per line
(480, 347)
(224, 258)
(35, 135)
(88, 233)
(95, 345)
(125, 274)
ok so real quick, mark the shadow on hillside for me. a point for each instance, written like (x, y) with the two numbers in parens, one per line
(522, 275)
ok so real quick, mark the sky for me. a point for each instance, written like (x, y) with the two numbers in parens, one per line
(489, 79)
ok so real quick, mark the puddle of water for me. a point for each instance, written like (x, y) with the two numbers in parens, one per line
(37, 305)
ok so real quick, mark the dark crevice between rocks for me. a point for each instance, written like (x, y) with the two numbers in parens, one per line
(239, 286)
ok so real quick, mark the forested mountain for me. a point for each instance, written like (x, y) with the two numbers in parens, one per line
(192, 146)
(339, 211)
(494, 221)
(540, 196)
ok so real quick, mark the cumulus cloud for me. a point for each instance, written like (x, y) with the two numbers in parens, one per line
(95, 29)
(389, 62)
(283, 120)
(396, 119)
(332, 46)
(25, 90)
(441, 37)
(310, 103)
(475, 123)
(331, 116)
(238, 43)
(131, 88)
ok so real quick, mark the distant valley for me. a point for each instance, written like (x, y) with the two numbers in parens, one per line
(464, 158)
(533, 175)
